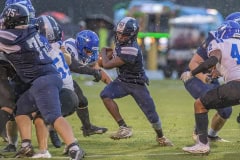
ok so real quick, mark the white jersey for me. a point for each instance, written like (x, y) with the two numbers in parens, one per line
(70, 46)
(229, 66)
(61, 65)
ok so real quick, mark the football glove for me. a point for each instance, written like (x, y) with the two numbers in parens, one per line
(186, 76)
(97, 75)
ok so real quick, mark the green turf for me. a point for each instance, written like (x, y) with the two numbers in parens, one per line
(175, 107)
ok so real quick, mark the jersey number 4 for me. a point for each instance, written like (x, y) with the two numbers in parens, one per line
(235, 53)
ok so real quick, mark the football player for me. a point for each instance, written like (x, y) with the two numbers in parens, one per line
(203, 82)
(23, 47)
(26, 3)
(9, 89)
(11, 132)
(224, 51)
(70, 91)
(84, 49)
(131, 80)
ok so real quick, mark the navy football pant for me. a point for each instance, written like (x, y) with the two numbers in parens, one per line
(140, 93)
(197, 89)
(42, 96)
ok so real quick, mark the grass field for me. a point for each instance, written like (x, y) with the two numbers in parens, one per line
(175, 107)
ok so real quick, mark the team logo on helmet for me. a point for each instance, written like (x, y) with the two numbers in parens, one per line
(134, 27)
(121, 27)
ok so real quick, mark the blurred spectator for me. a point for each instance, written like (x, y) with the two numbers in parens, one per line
(82, 25)
(103, 35)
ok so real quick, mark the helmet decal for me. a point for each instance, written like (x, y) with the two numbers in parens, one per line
(129, 27)
(14, 15)
(87, 40)
(49, 28)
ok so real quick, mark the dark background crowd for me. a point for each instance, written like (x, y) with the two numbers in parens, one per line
(80, 9)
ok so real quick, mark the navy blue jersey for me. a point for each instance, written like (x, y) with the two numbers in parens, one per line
(202, 49)
(25, 49)
(133, 69)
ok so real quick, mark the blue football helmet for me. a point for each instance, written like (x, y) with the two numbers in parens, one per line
(235, 16)
(127, 26)
(49, 28)
(87, 43)
(228, 29)
(14, 15)
(26, 3)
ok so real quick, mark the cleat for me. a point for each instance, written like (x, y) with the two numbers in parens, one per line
(216, 139)
(44, 154)
(93, 130)
(122, 133)
(76, 154)
(55, 139)
(164, 141)
(25, 152)
(198, 148)
(10, 148)
(66, 148)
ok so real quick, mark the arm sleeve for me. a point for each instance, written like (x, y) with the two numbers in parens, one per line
(81, 69)
(203, 67)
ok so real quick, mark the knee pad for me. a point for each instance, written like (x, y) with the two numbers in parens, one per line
(69, 101)
(225, 113)
(83, 102)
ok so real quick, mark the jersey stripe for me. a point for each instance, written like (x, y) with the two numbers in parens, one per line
(129, 50)
(7, 35)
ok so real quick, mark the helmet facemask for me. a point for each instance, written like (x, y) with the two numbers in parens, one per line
(49, 28)
(28, 5)
(14, 15)
(126, 31)
(87, 45)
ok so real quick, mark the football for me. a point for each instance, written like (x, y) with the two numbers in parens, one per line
(109, 55)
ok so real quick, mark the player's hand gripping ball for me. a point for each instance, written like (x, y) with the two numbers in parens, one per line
(109, 52)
